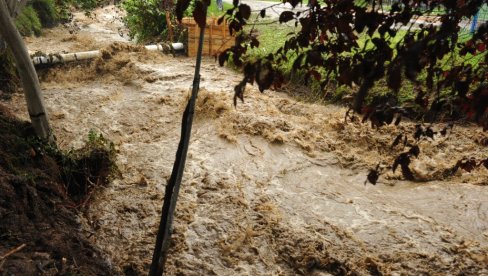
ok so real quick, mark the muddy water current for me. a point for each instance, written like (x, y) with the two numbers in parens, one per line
(274, 186)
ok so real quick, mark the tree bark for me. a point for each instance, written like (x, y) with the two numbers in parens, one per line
(15, 6)
(27, 73)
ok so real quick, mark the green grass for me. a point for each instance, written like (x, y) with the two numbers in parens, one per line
(213, 10)
(273, 35)
(28, 22)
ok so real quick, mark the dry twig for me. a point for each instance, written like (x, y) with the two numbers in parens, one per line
(18, 248)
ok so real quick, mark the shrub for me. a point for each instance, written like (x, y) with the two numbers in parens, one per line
(46, 10)
(147, 21)
(38, 14)
(63, 12)
(48, 13)
(144, 19)
(28, 22)
(83, 170)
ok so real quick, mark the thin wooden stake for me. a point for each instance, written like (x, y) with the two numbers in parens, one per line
(173, 187)
(170, 26)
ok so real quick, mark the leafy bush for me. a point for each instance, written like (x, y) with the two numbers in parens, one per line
(63, 12)
(144, 19)
(28, 22)
(83, 170)
(38, 14)
(46, 10)
(147, 21)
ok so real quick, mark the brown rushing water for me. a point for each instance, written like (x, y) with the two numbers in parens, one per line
(273, 186)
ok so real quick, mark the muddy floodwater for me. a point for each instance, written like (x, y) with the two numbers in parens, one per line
(274, 186)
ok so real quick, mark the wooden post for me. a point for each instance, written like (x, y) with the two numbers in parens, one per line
(169, 26)
(168, 7)
(210, 42)
(28, 75)
(163, 238)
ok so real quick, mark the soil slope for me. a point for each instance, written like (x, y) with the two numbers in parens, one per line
(40, 233)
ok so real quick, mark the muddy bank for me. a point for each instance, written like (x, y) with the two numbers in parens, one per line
(36, 216)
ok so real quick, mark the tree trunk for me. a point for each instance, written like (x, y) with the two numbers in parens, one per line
(27, 73)
(15, 6)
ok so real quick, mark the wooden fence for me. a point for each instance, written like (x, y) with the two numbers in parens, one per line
(217, 37)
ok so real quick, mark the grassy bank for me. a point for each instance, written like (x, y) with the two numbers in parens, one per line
(272, 36)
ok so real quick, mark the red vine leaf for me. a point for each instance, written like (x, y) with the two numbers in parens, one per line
(239, 92)
(264, 76)
(397, 140)
(294, 3)
(200, 14)
(373, 175)
(286, 16)
(181, 6)
(245, 11)
(394, 80)
(220, 20)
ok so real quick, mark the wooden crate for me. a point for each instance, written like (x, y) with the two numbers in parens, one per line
(217, 37)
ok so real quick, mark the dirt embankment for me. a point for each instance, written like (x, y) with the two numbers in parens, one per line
(36, 215)
(272, 186)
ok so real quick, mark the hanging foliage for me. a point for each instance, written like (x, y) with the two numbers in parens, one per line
(359, 43)
(329, 46)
